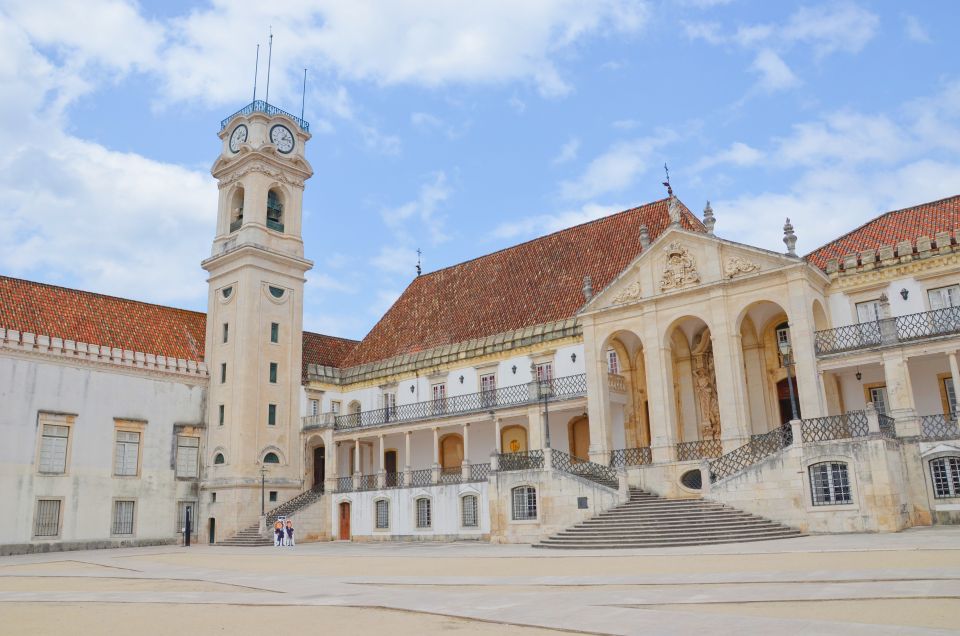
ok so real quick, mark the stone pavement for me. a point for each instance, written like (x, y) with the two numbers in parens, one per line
(837, 584)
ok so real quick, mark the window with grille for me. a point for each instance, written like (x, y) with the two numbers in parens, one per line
(273, 372)
(47, 521)
(945, 472)
(944, 297)
(383, 514)
(122, 517)
(182, 507)
(951, 394)
(868, 311)
(830, 484)
(127, 453)
(188, 453)
(468, 512)
(423, 513)
(314, 407)
(613, 362)
(274, 332)
(53, 449)
(524, 503)
(335, 407)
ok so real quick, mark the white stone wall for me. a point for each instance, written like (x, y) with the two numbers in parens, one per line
(96, 395)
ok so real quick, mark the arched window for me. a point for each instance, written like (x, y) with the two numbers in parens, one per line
(830, 484)
(274, 210)
(218, 458)
(468, 511)
(236, 210)
(524, 503)
(424, 518)
(271, 458)
(382, 510)
(945, 472)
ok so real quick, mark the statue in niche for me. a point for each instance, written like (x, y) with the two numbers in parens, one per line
(680, 268)
(706, 388)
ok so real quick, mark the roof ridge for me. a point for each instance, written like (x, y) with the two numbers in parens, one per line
(877, 218)
(323, 335)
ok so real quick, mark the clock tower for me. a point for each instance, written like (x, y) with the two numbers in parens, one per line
(254, 340)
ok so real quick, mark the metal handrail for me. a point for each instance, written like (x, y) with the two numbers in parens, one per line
(699, 449)
(524, 460)
(937, 427)
(630, 457)
(597, 473)
(519, 394)
(260, 106)
(886, 331)
(846, 426)
(759, 447)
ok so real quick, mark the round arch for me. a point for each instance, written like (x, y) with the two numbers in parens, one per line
(451, 451)
(513, 439)
(578, 435)
(275, 452)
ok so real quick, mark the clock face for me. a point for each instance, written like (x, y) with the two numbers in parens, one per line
(282, 138)
(237, 137)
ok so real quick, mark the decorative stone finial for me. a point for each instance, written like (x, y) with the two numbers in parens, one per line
(673, 209)
(644, 236)
(789, 238)
(587, 288)
(708, 219)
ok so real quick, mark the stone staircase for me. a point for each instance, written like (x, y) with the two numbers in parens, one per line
(649, 521)
(250, 537)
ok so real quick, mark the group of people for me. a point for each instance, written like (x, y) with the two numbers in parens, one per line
(283, 534)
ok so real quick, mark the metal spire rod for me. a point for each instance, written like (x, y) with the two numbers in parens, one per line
(303, 98)
(269, 61)
(256, 67)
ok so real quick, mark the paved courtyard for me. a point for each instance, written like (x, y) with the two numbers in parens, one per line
(850, 584)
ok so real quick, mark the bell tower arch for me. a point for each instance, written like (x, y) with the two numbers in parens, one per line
(255, 314)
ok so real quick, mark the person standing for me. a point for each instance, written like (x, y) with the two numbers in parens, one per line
(278, 534)
(289, 532)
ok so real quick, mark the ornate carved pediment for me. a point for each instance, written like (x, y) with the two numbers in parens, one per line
(628, 293)
(680, 269)
(261, 168)
(737, 265)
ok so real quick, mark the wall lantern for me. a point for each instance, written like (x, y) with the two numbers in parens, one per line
(573, 357)
(412, 388)
(859, 375)
(514, 369)
(904, 293)
(461, 379)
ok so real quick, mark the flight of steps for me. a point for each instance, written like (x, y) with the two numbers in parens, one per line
(250, 537)
(649, 521)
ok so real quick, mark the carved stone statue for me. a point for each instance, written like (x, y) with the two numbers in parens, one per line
(706, 390)
(680, 268)
(739, 265)
(628, 293)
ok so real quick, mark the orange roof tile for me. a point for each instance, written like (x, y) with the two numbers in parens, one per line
(892, 227)
(531, 283)
(324, 350)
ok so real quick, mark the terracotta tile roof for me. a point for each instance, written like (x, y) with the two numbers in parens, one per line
(528, 284)
(890, 228)
(82, 316)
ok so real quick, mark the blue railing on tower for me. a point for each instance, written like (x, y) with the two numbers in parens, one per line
(260, 106)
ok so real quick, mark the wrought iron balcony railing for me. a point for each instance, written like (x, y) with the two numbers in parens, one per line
(321, 420)
(935, 427)
(758, 448)
(824, 429)
(622, 457)
(567, 387)
(699, 449)
(888, 331)
(260, 106)
(572, 465)
(524, 460)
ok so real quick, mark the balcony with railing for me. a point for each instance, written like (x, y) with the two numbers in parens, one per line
(318, 421)
(917, 327)
(617, 383)
(260, 106)
(565, 388)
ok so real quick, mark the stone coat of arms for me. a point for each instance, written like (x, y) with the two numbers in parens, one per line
(680, 268)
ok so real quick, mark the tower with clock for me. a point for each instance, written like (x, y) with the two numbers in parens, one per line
(255, 319)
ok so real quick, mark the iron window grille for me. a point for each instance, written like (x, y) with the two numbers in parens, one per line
(182, 516)
(53, 449)
(122, 517)
(188, 453)
(383, 514)
(47, 522)
(469, 511)
(524, 503)
(127, 453)
(945, 472)
(423, 513)
(830, 484)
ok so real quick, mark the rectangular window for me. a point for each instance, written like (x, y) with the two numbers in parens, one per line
(274, 332)
(122, 517)
(439, 398)
(272, 415)
(47, 521)
(383, 514)
(944, 297)
(545, 371)
(878, 395)
(830, 484)
(613, 362)
(220, 415)
(188, 454)
(868, 311)
(469, 511)
(423, 513)
(524, 503)
(488, 388)
(951, 393)
(182, 507)
(945, 472)
(53, 449)
(273, 372)
(127, 455)
(273, 496)
(335, 407)
(389, 401)
(314, 407)
(223, 372)
(226, 331)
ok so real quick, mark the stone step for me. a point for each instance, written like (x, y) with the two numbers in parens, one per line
(588, 545)
(658, 526)
(668, 534)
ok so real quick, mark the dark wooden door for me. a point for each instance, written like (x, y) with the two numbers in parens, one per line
(344, 521)
(783, 397)
(213, 531)
(319, 465)
(390, 467)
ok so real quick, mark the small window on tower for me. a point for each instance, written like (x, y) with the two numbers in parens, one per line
(274, 211)
(272, 415)
(273, 373)
(226, 331)
(220, 415)
(274, 332)
(236, 210)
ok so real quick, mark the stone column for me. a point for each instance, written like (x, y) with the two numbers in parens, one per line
(498, 441)
(436, 454)
(663, 423)
(903, 409)
(407, 468)
(598, 393)
(331, 456)
(954, 371)
(382, 473)
(465, 466)
(728, 366)
(802, 342)
(356, 463)
(534, 430)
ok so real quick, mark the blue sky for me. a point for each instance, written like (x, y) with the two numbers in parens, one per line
(460, 130)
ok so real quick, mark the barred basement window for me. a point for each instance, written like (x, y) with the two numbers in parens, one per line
(53, 449)
(47, 522)
(830, 484)
(383, 514)
(423, 513)
(127, 453)
(524, 503)
(468, 512)
(945, 472)
(122, 517)
(188, 449)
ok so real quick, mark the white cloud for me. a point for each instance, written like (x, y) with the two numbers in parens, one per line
(568, 151)
(429, 122)
(832, 27)
(396, 260)
(546, 223)
(738, 154)
(774, 73)
(616, 168)
(425, 208)
(915, 30)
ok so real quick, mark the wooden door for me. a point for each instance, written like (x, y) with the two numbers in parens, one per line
(390, 467)
(319, 465)
(580, 438)
(451, 451)
(345, 521)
